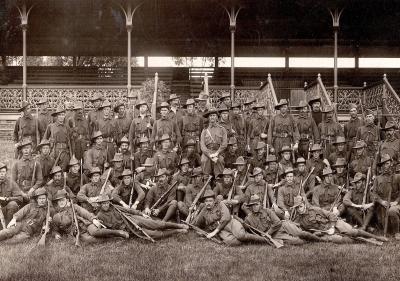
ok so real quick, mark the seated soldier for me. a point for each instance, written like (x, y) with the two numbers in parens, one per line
(64, 225)
(258, 160)
(326, 194)
(286, 193)
(222, 190)
(341, 174)
(45, 159)
(286, 159)
(57, 183)
(29, 220)
(10, 195)
(216, 219)
(271, 173)
(340, 151)
(126, 153)
(267, 221)
(356, 202)
(74, 180)
(113, 220)
(167, 208)
(231, 153)
(191, 190)
(165, 157)
(191, 154)
(143, 153)
(258, 186)
(116, 170)
(96, 156)
(361, 161)
(301, 174)
(316, 161)
(146, 174)
(325, 223)
(242, 172)
(88, 193)
(184, 173)
(127, 193)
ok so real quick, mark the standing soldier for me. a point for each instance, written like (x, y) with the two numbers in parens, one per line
(239, 126)
(175, 114)
(191, 154)
(231, 153)
(258, 126)
(258, 160)
(191, 125)
(44, 118)
(165, 125)
(59, 135)
(283, 129)
(123, 120)
(316, 112)
(126, 153)
(316, 161)
(361, 162)
(201, 103)
(26, 126)
(75, 180)
(141, 126)
(127, 191)
(79, 128)
(45, 160)
(213, 142)
(341, 174)
(308, 130)
(10, 195)
(324, 195)
(107, 126)
(386, 194)
(352, 126)
(225, 99)
(165, 157)
(329, 130)
(27, 172)
(96, 113)
(143, 153)
(166, 210)
(369, 133)
(340, 150)
(96, 156)
(391, 144)
(225, 120)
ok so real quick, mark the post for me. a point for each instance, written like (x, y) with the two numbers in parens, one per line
(233, 13)
(335, 22)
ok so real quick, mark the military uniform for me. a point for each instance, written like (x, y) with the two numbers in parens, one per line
(46, 163)
(350, 131)
(191, 126)
(169, 206)
(74, 181)
(25, 127)
(22, 171)
(391, 146)
(123, 193)
(166, 159)
(95, 157)
(141, 156)
(53, 187)
(123, 123)
(324, 195)
(360, 164)
(44, 120)
(370, 135)
(308, 132)
(283, 131)
(257, 125)
(108, 127)
(13, 198)
(139, 128)
(166, 126)
(59, 136)
(79, 129)
(286, 194)
(89, 191)
(93, 116)
(329, 130)
(318, 165)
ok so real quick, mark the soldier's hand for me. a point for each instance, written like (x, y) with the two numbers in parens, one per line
(124, 204)
(287, 215)
(175, 149)
(57, 236)
(296, 146)
(367, 206)
(248, 147)
(393, 203)
(335, 211)
(385, 204)
(326, 162)
(3, 199)
(106, 165)
(331, 230)
(148, 126)
(156, 212)
(97, 223)
(264, 136)
(12, 223)
(16, 144)
(212, 234)
(147, 211)
(272, 150)
(134, 206)
(145, 216)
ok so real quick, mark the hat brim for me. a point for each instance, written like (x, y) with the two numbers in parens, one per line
(140, 104)
(279, 106)
(22, 108)
(211, 112)
(57, 112)
(239, 163)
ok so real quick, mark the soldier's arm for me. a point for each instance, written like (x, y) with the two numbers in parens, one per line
(115, 194)
(18, 216)
(203, 146)
(224, 143)
(140, 193)
(316, 134)
(149, 198)
(82, 212)
(315, 197)
(281, 200)
(276, 222)
(16, 193)
(16, 130)
(347, 199)
(132, 211)
(225, 217)
(81, 196)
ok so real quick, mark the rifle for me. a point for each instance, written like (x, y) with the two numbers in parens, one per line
(293, 156)
(196, 199)
(364, 200)
(362, 109)
(337, 198)
(292, 213)
(37, 126)
(245, 175)
(154, 103)
(127, 219)
(2, 220)
(201, 232)
(265, 235)
(78, 233)
(81, 173)
(57, 159)
(163, 197)
(385, 226)
(266, 199)
(232, 191)
(133, 185)
(42, 240)
(105, 182)
(361, 239)
(33, 174)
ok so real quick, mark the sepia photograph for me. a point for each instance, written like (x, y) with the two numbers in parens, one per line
(199, 140)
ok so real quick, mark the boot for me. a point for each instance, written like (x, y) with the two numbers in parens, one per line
(363, 233)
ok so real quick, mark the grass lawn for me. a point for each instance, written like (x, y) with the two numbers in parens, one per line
(189, 257)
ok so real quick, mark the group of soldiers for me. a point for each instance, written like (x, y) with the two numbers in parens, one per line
(237, 173)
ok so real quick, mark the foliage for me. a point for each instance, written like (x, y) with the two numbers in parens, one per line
(147, 91)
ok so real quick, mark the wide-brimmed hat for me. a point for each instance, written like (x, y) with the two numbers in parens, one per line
(257, 171)
(258, 105)
(254, 199)
(103, 198)
(24, 105)
(105, 104)
(314, 99)
(163, 105)
(260, 145)
(227, 172)
(328, 109)
(210, 111)
(162, 172)
(225, 95)
(59, 110)
(302, 104)
(140, 103)
(55, 170)
(95, 170)
(78, 105)
(223, 108)
(249, 101)
(96, 96)
(300, 160)
(60, 194)
(184, 161)
(270, 158)
(327, 171)
(125, 172)
(235, 105)
(124, 139)
(339, 140)
(172, 97)
(189, 102)
(232, 140)
(118, 157)
(340, 162)
(198, 171)
(285, 148)
(315, 147)
(369, 112)
(202, 97)
(358, 177)
(40, 191)
(3, 165)
(190, 142)
(42, 101)
(281, 103)
(288, 171)
(359, 144)
(240, 161)
(389, 125)
(352, 106)
(385, 158)
(143, 139)
(118, 105)
(149, 162)
(96, 134)
(164, 137)
(25, 142)
(43, 143)
(208, 193)
(73, 161)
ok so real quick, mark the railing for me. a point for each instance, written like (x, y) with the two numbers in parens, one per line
(391, 102)
(347, 96)
(268, 95)
(317, 89)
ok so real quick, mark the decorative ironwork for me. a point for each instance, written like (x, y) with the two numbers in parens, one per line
(10, 98)
(373, 96)
(346, 96)
(391, 101)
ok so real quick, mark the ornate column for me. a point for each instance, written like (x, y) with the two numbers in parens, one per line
(233, 13)
(335, 23)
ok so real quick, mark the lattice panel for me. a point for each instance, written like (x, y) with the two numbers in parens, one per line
(373, 96)
(214, 95)
(267, 96)
(392, 105)
(10, 98)
(346, 96)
